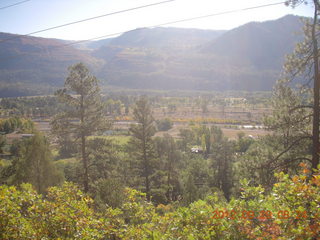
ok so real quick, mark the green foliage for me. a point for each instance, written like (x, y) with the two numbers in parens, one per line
(167, 177)
(2, 142)
(33, 164)
(36, 106)
(64, 214)
(108, 192)
(84, 114)
(68, 147)
(243, 143)
(13, 124)
(164, 124)
(141, 144)
(289, 211)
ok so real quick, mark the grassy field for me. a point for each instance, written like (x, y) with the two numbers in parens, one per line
(184, 110)
(228, 132)
(118, 139)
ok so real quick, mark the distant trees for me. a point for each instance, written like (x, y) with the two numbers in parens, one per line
(204, 104)
(36, 106)
(141, 143)
(12, 124)
(2, 142)
(84, 113)
(164, 124)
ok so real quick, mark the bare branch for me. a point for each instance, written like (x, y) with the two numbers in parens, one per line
(299, 107)
(285, 151)
(285, 164)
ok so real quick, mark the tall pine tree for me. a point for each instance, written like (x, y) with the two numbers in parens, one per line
(141, 143)
(84, 114)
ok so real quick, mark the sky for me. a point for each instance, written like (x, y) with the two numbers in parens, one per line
(35, 15)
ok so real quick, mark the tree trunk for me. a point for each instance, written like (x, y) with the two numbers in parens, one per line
(315, 125)
(83, 148)
(85, 164)
(146, 172)
(146, 163)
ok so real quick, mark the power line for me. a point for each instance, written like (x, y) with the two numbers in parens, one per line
(15, 4)
(177, 21)
(88, 19)
(163, 24)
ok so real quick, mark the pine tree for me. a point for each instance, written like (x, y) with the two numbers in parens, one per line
(222, 162)
(141, 143)
(34, 164)
(84, 114)
(305, 61)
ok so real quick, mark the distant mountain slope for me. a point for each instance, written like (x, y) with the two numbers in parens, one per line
(165, 37)
(262, 45)
(37, 60)
(249, 57)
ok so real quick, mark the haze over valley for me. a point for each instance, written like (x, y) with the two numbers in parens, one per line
(249, 58)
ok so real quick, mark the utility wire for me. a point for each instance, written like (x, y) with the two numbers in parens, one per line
(88, 19)
(163, 24)
(15, 4)
(177, 21)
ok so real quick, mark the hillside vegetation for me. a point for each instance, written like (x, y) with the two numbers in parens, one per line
(245, 58)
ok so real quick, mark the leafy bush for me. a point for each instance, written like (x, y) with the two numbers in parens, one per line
(290, 211)
(164, 124)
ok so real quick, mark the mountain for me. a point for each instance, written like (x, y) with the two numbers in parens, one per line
(249, 57)
(37, 60)
(259, 44)
(161, 37)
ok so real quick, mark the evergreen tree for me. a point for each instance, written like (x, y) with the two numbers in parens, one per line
(222, 162)
(170, 161)
(305, 61)
(141, 143)
(290, 125)
(84, 114)
(33, 164)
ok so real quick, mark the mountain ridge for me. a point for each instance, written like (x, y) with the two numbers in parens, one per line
(248, 57)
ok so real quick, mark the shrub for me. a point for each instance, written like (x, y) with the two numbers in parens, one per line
(164, 124)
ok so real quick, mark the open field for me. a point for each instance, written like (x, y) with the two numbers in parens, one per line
(174, 132)
(230, 122)
(228, 132)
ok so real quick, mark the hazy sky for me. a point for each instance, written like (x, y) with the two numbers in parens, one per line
(36, 15)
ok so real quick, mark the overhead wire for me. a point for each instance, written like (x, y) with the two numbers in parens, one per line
(88, 19)
(176, 21)
(15, 4)
(162, 24)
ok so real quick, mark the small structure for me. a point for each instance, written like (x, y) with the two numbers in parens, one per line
(196, 149)
(27, 135)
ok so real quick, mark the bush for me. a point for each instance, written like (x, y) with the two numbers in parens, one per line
(164, 124)
(290, 211)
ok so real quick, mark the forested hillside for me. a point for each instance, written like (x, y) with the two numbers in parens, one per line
(246, 58)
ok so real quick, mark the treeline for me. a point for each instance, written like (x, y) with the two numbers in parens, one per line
(119, 104)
